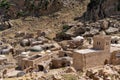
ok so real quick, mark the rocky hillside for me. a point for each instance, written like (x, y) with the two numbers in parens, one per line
(97, 9)
(62, 13)
(18, 8)
(51, 23)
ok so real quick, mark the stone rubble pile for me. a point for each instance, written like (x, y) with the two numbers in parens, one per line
(108, 25)
(108, 72)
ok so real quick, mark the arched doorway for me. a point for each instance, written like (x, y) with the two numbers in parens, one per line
(40, 68)
(105, 62)
(65, 55)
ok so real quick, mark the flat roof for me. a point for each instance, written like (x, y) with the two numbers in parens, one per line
(114, 47)
(86, 51)
(102, 36)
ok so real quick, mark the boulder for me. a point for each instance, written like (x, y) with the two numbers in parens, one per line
(20, 34)
(78, 38)
(36, 43)
(62, 36)
(5, 25)
(102, 33)
(80, 30)
(10, 23)
(76, 29)
(20, 74)
(71, 31)
(115, 39)
(43, 39)
(75, 44)
(37, 48)
(111, 30)
(91, 33)
(104, 25)
(94, 31)
(25, 42)
(87, 34)
(90, 74)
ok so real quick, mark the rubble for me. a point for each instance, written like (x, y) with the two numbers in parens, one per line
(89, 29)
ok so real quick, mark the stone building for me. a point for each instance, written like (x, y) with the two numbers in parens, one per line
(94, 57)
(38, 61)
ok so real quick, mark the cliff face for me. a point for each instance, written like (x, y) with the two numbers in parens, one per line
(98, 9)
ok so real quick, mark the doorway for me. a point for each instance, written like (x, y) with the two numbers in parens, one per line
(40, 68)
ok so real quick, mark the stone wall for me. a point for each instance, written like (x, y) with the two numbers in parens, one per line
(90, 60)
(78, 61)
(96, 59)
(26, 62)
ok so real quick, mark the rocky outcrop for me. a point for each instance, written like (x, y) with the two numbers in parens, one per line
(5, 25)
(98, 9)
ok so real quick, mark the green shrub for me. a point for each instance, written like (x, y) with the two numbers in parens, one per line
(65, 28)
(4, 4)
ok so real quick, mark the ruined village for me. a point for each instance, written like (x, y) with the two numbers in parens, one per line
(59, 40)
(35, 55)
